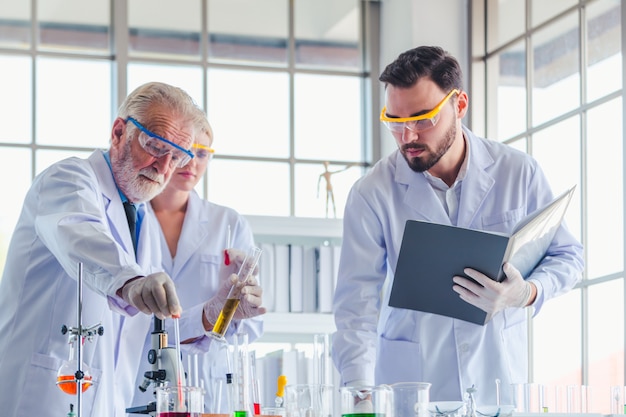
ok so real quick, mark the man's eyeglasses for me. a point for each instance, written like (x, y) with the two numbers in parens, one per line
(202, 152)
(158, 146)
(415, 123)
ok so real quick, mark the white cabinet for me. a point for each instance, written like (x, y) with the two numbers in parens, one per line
(296, 327)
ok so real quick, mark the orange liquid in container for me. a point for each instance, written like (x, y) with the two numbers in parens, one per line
(67, 383)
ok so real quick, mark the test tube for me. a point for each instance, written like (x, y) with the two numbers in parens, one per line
(232, 394)
(232, 301)
(254, 385)
(239, 389)
(243, 375)
(321, 360)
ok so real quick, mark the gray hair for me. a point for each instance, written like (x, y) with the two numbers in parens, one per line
(141, 100)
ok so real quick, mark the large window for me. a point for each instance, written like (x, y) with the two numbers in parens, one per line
(551, 79)
(282, 81)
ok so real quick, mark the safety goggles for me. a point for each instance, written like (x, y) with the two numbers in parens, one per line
(202, 152)
(158, 146)
(415, 123)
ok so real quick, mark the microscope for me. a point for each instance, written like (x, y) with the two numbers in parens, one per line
(164, 362)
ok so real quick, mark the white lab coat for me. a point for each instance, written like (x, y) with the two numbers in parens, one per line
(72, 213)
(381, 344)
(195, 269)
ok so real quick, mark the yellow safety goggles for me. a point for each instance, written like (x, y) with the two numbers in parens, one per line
(202, 152)
(415, 123)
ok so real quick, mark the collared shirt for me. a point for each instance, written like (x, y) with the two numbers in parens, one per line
(450, 196)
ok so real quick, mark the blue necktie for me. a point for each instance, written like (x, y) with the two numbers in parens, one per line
(131, 216)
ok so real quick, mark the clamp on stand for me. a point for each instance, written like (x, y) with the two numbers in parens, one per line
(80, 380)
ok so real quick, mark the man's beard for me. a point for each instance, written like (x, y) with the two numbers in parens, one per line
(138, 186)
(431, 158)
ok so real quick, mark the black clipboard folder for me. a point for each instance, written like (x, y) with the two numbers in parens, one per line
(431, 254)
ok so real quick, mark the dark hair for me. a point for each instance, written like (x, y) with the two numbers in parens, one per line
(424, 61)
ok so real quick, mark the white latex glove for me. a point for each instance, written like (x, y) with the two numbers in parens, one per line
(249, 294)
(153, 294)
(491, 296)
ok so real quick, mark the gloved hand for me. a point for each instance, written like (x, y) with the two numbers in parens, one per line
(153, 294)
(491, 296)
(249, 294)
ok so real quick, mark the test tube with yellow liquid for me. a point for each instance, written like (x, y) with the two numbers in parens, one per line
(232, 302)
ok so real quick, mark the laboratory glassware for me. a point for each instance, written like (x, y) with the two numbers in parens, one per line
(75, 373)
(411, 398)
(309, 400)
(366, 401)
(234, 295)
(179, 401)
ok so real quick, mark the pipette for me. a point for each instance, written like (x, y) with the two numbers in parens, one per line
(497, 391)
(256, 395)
(280, 392)
(217, 399)
(179, 371)
(228, 243)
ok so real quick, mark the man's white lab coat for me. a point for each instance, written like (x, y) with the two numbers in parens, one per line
(381, 344)
(72, 213)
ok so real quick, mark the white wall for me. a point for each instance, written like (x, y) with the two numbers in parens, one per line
(406, 24)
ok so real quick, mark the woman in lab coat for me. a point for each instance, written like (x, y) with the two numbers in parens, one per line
(194, 236)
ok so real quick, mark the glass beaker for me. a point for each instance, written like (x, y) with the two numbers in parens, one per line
(179, 401)
(232, 301)
(411, 398)
(309, 400)
(366, 401)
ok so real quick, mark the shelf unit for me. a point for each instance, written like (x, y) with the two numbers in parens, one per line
(301, 230)
(296, 327)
